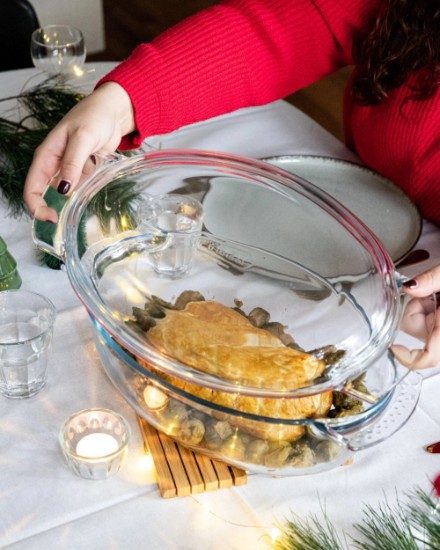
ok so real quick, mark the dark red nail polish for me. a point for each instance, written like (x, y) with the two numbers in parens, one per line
(434, 448)
(63, 187)
(411, 284)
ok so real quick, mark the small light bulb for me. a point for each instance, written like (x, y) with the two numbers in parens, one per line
(154, 398)
(77, 70)
(275, 534)
(124, 222)
(147, 462)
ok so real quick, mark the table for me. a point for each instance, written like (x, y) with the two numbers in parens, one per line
(44, 505)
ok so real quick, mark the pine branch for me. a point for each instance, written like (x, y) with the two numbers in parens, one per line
(411, 526)
(117, 197)
(310, 534)
(16, 152)
(424, 515)
(47, 104)
(385, 528)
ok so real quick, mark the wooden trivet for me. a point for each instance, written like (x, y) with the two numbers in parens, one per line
(181, 472)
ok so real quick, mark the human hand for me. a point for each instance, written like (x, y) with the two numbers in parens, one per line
(96, 124)
(421, 320)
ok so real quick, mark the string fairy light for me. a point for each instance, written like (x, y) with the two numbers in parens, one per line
(207, 508)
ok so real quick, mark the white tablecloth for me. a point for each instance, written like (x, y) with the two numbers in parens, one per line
(44, 505)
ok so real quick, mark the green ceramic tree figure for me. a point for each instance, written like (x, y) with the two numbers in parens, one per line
(9, 276)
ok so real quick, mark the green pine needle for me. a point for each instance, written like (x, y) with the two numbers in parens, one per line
(425, 517)
(309, 534)
(411, 526)
(385, 528)
(47, 104)
(51, 261)
(17, 148)
(122, 193)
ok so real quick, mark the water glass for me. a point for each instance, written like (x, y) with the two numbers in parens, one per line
(58, 50)
(26, 328)
(177, 219)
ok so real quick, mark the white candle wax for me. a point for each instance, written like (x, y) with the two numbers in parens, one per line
(96, 445)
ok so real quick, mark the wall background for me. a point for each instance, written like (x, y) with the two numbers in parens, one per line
(87, 15)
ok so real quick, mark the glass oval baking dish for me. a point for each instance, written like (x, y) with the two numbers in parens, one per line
(216, 278)
(262, 435)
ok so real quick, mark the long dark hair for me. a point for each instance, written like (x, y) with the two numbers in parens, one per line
(404, 39)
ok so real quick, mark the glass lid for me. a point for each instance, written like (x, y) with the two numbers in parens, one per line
(227, 272)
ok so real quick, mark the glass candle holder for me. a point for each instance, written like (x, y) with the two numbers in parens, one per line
(95, 443)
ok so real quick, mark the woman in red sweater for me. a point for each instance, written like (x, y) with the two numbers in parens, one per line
(243, 53)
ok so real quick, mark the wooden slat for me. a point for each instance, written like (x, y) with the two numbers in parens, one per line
(192, 470)
(239, 476)
(181, 481)
(208, 473)
(165, 479)
(223, 474)
(181, 472)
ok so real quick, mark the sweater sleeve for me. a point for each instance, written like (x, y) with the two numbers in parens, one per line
(424, 174)
(240, 53)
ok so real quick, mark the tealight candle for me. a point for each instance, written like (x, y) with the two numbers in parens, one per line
(95, 442)
(96, 445)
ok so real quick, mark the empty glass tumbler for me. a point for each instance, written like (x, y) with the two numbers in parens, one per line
(26, 328)
(177, 222)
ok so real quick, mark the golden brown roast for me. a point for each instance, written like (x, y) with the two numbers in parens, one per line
(220, 341)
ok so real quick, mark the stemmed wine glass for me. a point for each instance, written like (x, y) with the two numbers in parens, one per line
(58, 50)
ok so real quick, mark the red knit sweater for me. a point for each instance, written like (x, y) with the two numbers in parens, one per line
(251, 52)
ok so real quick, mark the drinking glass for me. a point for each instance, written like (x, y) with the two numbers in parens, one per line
(58, 50)
(178, 219)
(26, 328)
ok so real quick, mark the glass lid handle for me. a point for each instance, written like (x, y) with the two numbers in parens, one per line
(47, 235)
(404, 400)
(419, 319)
